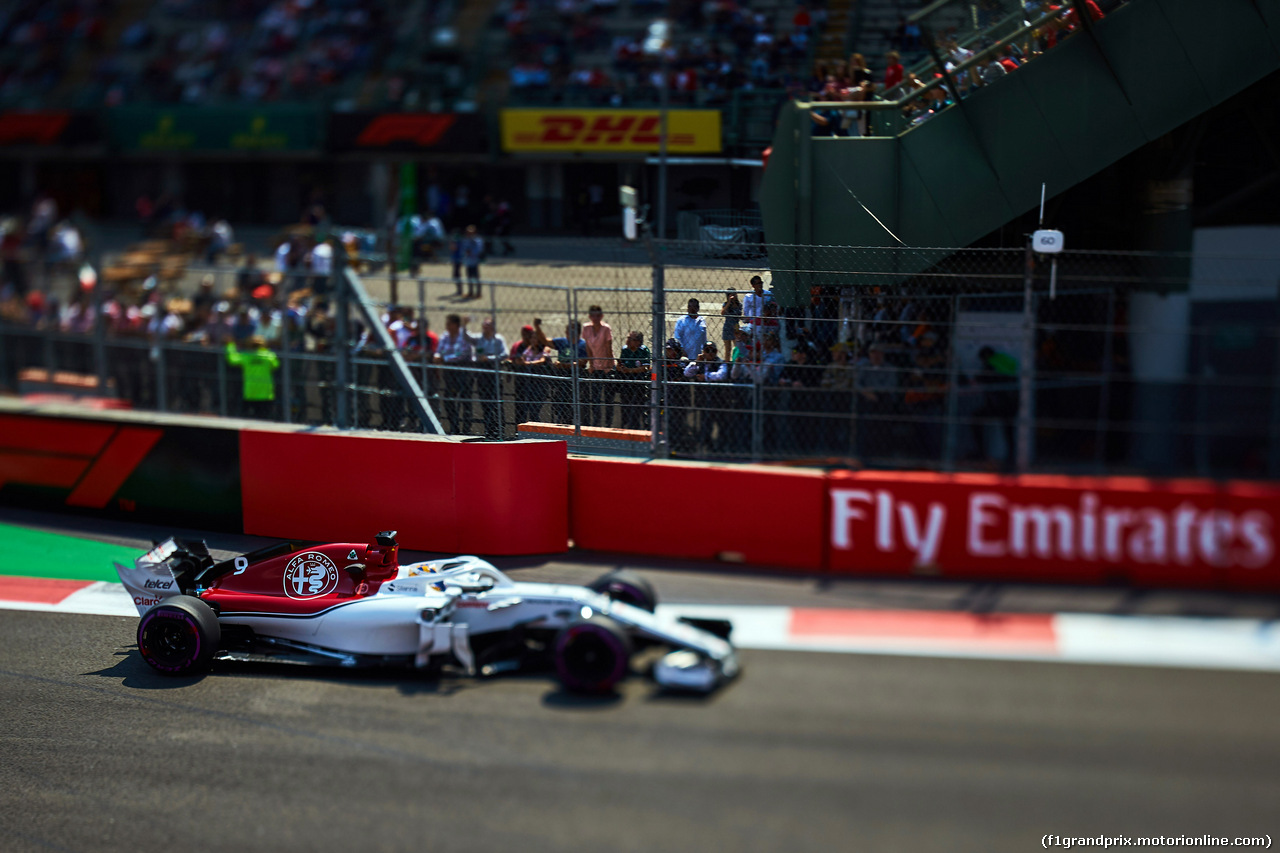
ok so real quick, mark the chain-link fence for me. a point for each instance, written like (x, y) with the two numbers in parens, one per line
(936, 359)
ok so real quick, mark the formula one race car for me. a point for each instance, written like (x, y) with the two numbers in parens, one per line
(355, 605)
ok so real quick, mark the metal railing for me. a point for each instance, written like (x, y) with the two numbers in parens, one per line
(1126, 363)
(962, 59)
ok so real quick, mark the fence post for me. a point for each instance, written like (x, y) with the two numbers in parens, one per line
(658, 404)
(757, 421)
(99, 338)
(1104, 401)
(573, 366)
(222, 384)
(50, 354)
(285, 376)
(1026, 363)
(162, 375)
(423, 356)
(497, 370)
(341, 344)
(1273, 455)
(953, 380)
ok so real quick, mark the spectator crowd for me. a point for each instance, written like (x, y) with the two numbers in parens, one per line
(108, 53)
(775, 383)
(594, 52)
(966, 64)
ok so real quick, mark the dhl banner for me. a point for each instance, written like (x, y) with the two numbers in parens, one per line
(688, 131)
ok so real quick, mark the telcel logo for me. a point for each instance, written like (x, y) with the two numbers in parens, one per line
(156, 584)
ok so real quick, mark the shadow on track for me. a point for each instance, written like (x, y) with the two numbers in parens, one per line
(132, 672)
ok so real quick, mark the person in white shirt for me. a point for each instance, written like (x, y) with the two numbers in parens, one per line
(401, 328)
(691, 330)
(754, 302)
(319, 262)
(282, 256)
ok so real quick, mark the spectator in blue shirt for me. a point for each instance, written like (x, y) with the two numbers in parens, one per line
(567, 354)
(456, 352)
(472, 249)
(691, 330)
(455, 256)
(491, 349)
(772, 362)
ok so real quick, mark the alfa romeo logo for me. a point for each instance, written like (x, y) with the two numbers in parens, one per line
(310, 575)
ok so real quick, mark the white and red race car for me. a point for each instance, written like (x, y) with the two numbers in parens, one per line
(354, 605)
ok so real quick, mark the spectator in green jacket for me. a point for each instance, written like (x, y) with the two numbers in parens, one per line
(258, 363)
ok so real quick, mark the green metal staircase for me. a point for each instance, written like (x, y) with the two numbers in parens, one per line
(1102, 93)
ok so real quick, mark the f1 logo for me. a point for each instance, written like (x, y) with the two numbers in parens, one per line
(423, 130)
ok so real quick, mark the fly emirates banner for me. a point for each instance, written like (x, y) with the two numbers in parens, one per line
(1055, 528)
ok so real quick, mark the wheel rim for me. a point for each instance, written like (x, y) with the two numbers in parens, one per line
(170, 642)
(591, 657)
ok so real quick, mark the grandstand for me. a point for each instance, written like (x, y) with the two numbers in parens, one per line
(343, 53)
(591, 53)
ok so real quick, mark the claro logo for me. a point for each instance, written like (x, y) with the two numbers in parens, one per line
(603, 131)
(996, 526)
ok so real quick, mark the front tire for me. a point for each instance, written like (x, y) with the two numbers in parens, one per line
(592, 655)
(179, 636)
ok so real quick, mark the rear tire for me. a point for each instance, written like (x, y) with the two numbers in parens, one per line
(627, 587)
(179, 636)
(592, 655)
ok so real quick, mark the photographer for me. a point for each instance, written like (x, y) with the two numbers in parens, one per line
(731, 310)
(678, 399)
(712, 401)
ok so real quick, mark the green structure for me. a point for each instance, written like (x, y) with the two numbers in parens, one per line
(949, 180)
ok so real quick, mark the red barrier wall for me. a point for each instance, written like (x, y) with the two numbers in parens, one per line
(162, 470)
(1066, 529)
(441, 495)
(697, 511)
(527, 497)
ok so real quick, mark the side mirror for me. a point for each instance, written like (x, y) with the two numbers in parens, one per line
(387, 539)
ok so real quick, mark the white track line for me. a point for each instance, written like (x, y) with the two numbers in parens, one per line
(1172, 641)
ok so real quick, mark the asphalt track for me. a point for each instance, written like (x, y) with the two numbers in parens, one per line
(804, 752)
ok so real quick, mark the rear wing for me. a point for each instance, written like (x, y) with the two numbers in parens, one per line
(150, 580)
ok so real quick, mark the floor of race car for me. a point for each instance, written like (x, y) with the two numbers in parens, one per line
(804, 752)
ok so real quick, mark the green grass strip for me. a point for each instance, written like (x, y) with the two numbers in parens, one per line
(37, 554)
